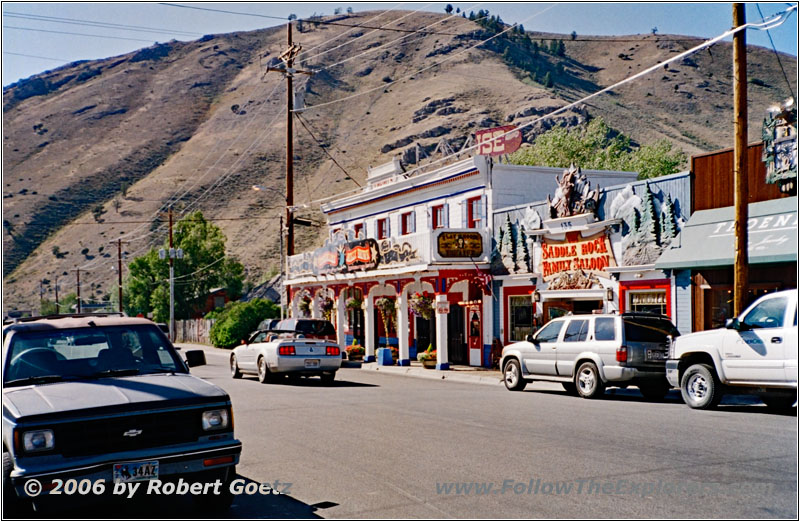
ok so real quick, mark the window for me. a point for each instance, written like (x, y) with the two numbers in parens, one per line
(407, 224)
(767, 314)
(576, 331)
(549, 333)
(604, 329)
(437, 217)
(474, 214)
(383, 228)
(652, 301)
(521, 317)
(647, 330)
(358, 228)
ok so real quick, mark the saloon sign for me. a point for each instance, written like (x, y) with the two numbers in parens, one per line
(591, 254)
(498, 141)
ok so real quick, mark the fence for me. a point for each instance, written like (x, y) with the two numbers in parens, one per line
(193, 331)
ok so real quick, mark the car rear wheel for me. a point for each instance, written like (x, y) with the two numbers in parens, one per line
(588, 382)
(328, 377)
(264, 376)
(512, 376)
(235, 373)
(700, 387)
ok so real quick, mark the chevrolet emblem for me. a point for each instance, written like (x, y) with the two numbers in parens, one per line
(132, 433)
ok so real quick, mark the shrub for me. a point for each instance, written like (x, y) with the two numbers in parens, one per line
(235, 321)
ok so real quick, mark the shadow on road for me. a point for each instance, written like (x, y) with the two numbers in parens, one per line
(313, 382)
(176, 507)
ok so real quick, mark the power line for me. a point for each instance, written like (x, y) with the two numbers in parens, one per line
(40, 57)
(91, 23)
(325, 150)
(777, 56)
(76, 34)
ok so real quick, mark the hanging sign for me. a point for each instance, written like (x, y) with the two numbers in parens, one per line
(591, 254)
(498, 141)
(443, 308)
(460, 244)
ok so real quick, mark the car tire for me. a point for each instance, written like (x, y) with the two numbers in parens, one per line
(512, 376)
(778, 402)
(12, 504)
(328, 377)
(235, 373)
(654, 391)
(587, 381)
(216, 503)
(264, 375)
(570, 388)
(700, 387)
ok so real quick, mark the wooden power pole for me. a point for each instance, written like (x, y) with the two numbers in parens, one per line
(740, 266)
(289, 71)
(78, 282)
(119, 273)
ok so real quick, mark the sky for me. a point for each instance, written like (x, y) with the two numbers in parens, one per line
(33, 38)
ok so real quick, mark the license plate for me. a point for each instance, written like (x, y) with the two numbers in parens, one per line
(656, 355)
(135, 471)
(312, 363)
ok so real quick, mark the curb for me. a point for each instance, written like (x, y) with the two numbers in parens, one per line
(439, 375)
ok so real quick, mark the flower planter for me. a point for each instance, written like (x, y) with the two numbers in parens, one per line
(354, 357)
(429, 363)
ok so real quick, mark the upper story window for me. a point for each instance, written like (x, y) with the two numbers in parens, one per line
(437, 217)
(382, 228)
(408, 223)
(474, 214)
(358, 228)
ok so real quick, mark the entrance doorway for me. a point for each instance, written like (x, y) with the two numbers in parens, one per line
(553, 309)
(457, 351)
(425, 330)
(586, 307)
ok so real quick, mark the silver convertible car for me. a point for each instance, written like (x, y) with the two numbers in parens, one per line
(272, 356)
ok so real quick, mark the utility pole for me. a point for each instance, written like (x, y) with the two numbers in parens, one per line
(283, 272)
(119, 273)
(41, 294)
(171, 282)
(740, 266)
(289, 71)
(78, 282)
(58, 306)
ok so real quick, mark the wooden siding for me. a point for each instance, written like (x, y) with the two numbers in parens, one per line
(712, 179)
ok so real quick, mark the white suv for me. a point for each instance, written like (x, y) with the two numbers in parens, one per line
(756, 353)
(586, 353)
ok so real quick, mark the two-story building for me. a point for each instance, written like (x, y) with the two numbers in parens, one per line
(407, 262)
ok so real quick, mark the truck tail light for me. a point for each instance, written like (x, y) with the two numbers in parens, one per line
(332, 350)
(622, 354)
(286, 350)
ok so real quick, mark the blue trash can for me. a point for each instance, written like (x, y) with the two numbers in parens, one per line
(385, 357)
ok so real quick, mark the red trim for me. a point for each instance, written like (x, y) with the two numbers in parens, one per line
(509, 292)
(651, 284)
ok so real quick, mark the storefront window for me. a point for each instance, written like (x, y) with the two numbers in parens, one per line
(651, 301)
(720, 301)
(521, 315)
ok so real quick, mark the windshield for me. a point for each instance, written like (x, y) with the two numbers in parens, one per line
(87, 353)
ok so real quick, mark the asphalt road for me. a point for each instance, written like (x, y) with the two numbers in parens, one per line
(384, 446)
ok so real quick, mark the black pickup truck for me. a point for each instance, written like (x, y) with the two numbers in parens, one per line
(92, 401)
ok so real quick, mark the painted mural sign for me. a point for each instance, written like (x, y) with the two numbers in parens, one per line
(590, 255)
(779, 133)
(460, 244)
(498, 141)
(361, 254)
(397, 253)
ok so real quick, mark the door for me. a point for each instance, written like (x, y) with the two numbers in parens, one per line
(475, 335)
(425, 333)
(457, 351)
(790, 346)
(757, 351)
(574, 342)
(553, 309)
(246, 355)
(539, 358)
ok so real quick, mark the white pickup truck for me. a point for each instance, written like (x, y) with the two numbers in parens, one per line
(756, 353)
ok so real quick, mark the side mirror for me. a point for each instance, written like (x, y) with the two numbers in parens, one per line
(244, 341)
(530, 339)
(195, 358)
(733, 324)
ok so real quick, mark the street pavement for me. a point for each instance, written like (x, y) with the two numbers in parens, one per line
(385, 444)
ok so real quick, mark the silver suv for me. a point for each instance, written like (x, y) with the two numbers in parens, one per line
(587, 353)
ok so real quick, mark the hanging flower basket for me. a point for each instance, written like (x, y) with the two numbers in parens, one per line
(421, 306)
(327, 308)
(354, 303)
(304, 306)
(386, 307)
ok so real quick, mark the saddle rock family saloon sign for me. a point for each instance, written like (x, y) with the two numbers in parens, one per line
(591, 254)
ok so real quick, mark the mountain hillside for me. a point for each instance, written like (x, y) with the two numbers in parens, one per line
(95, 151)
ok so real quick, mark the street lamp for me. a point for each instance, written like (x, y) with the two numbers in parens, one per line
(174, 253)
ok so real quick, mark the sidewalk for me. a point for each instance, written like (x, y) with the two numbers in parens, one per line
(468, 374)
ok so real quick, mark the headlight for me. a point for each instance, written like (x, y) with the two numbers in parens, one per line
(215, 419)
(40, 440)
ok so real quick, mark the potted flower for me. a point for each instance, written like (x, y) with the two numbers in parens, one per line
(428, 357)
(421, 306)
(355, 352)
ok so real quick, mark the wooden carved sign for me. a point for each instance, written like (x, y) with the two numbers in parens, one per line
(460, 244)
(498, 141)
(591, 255)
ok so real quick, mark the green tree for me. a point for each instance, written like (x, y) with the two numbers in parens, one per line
(596, 146)
(47, 307)
(548, 80)
(448, 8)
(234, 322)
(204, 267)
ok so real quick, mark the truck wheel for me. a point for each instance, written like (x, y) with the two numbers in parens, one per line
(654, 391)
(588, 382)
(235, 373)
(570, 388)
(778, 402)
(12, 504)
(223, 501)
(264, 375)
(512, 376)
(700, 387)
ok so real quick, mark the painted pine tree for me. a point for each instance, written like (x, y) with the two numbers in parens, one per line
(670, 221)
(650, 231)
(507, 245)
(523, 255)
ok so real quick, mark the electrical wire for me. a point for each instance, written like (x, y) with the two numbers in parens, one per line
(76, 34)
(63, 60)
(777, 56)
(325, 150)
(90, 23)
